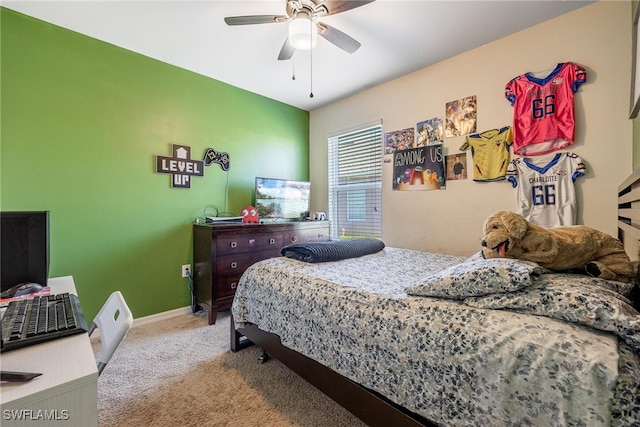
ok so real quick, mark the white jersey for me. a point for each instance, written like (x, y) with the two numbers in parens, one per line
(545, 193)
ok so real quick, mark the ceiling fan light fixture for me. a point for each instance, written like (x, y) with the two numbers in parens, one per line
(303, 33)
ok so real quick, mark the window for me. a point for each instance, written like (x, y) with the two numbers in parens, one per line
(356, 205)
(355, 183)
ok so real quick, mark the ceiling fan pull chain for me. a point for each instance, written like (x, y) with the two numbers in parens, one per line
(311, 83)
(293, 75)
(311, 58)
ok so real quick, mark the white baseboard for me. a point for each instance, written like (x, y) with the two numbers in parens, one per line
(161, 316)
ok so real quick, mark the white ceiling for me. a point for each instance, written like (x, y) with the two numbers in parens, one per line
(397, 36)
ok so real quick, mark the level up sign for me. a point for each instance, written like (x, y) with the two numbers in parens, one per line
(180, 166)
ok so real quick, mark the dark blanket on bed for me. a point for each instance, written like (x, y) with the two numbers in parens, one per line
(333, 250)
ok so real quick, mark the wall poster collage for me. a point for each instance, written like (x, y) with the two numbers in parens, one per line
(419, 159)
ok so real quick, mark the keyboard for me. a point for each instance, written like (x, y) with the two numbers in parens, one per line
(36, 320)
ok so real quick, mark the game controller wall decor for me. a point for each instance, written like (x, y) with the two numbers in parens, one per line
(213, 156)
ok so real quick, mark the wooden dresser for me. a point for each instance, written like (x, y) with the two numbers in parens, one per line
(222, 252)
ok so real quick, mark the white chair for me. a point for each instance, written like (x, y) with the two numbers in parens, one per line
(113, 321)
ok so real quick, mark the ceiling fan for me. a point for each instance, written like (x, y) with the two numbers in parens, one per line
(304, 25)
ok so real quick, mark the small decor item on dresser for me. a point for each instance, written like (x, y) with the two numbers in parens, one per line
(319, 216)
(250, 215)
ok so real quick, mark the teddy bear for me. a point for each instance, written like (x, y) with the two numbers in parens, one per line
(576, 247)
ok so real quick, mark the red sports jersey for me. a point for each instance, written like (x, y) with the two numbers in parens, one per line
(543, 110)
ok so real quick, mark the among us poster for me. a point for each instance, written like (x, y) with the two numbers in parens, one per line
(419, 169)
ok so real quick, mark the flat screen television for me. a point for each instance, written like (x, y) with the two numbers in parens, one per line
(24, 249)
(282, 198)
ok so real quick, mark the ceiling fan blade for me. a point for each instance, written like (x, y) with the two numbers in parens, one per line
(337, 6)
(287, 51)
(338, 38)
(254, 19)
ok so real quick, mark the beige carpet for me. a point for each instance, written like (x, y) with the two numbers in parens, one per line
(180, 372)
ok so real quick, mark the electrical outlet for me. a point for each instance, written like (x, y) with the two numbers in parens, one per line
(186, 270)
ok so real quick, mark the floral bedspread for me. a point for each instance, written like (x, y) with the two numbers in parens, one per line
(473, 345)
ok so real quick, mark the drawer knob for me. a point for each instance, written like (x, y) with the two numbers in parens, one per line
(252, 242)
(234, 264)
(294, 239)
(272, 241)
(234, 285)
(234, 244)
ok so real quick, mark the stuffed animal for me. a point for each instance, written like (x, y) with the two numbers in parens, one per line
(509, 235)
(250, 215)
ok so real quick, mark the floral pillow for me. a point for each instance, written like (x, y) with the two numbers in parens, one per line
(621, 288)
(475, 257)
(476, 277)
(570, 298)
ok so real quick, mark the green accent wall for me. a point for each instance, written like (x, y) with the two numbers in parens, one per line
(81, 124)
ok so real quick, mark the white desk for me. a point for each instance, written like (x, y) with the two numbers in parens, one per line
(66, 394)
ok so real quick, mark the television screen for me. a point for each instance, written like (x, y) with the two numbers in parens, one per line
(282, 198)
(24, 255)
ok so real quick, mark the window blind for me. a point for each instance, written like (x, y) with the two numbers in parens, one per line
(355, 183)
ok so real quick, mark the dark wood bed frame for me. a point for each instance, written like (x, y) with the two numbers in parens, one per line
(629, 211)
(629, 224)
(372, 408)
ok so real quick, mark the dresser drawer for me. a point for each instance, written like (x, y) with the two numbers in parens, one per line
(229, 265)
(226, 286)
(306, 235)
(242, 243)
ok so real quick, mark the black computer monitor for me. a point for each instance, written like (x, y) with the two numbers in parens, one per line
(24, 253)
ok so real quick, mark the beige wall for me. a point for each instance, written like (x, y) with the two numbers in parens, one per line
(597, 36)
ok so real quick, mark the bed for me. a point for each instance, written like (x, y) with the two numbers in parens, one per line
(447, 340)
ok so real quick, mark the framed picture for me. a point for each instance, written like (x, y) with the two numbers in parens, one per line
(635, 70)
(456, 166)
